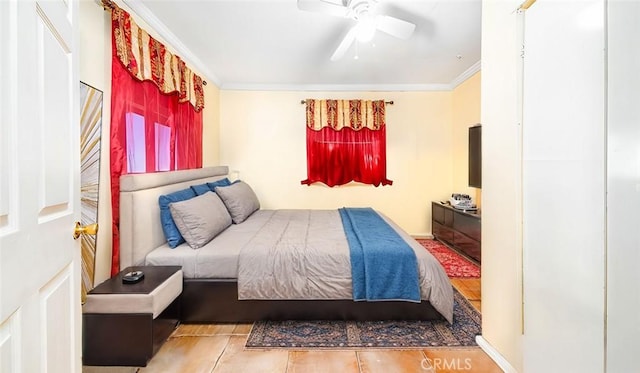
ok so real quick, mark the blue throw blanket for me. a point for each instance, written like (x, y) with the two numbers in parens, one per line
(383, 265)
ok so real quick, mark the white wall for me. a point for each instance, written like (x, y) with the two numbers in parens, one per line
(623, 189)
(262, 135)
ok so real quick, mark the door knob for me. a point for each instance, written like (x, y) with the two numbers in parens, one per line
(88, 229)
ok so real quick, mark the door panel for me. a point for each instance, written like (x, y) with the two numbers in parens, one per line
(54, 118)
(39, 187)
(58, 320)
(9, 345)
(8, 109)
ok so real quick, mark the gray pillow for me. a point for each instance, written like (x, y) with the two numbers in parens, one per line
(240, 200)
(200, 218)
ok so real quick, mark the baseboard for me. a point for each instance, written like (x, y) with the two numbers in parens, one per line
(495, 355)
(422, 235)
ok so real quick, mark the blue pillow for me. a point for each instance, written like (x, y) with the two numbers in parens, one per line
(200, 189)
(171, 232)
(217, 183)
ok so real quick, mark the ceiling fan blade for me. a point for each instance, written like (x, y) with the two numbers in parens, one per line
(395, 27)
(344, 44)
(320, 6)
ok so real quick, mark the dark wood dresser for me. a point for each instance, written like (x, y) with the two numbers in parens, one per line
(456, 228)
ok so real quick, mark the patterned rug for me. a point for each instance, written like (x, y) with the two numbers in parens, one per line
(456, 265)
(370, 334)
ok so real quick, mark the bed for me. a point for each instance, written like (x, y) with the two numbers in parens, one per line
(216, 275)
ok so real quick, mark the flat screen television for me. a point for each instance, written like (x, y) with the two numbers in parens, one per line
(475, 156)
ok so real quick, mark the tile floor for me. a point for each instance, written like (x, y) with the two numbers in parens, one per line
(219, 348)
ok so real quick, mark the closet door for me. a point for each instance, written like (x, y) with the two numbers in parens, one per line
(623, 186)
(564, 178)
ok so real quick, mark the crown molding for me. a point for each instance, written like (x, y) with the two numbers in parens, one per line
(185, 53)
(192, 60)
(468, 73)
(337, 87)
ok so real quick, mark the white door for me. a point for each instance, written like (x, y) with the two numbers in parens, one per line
(40, 328)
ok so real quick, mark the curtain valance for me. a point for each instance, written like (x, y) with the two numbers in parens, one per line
(339, 114)
(147, 59)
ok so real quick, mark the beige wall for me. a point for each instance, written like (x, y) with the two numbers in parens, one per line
(262, 135)
(95, 70)
(211, 126)
(501, 181)
(466, 113)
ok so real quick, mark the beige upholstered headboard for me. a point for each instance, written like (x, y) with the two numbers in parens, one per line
(140, 227)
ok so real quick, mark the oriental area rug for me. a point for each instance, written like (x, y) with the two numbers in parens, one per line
(455, 265)
(370, 334)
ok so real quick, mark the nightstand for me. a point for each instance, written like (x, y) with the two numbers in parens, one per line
(125, 324)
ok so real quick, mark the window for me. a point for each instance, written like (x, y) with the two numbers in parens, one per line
(137, 145)
(346, 141)
(163, 149)
(136, 156)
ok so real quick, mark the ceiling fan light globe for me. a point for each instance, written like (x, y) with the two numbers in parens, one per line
(366, 30)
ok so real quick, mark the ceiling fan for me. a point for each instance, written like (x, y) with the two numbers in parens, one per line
(367, 18)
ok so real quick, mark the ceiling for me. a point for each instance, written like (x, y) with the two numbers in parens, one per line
(272, 45)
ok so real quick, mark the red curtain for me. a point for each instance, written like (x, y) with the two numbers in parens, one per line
(132, 97)
(339, 157)
(346, 142)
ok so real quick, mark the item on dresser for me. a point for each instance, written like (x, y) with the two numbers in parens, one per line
(462, 202)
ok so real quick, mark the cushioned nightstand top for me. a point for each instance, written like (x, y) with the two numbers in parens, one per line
(159, 287)
(153, 277)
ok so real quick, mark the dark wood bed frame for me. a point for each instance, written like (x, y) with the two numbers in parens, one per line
(216, 301)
